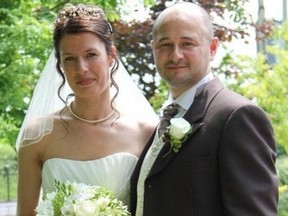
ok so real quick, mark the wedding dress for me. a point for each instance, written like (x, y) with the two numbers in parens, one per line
(112, 172)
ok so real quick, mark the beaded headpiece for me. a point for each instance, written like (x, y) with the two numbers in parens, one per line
(80, 10)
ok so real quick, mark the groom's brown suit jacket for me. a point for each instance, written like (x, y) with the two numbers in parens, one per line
(225, 168)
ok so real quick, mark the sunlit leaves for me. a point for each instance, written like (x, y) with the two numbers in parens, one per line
(267, 84)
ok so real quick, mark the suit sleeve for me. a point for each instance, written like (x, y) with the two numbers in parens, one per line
(249, 184)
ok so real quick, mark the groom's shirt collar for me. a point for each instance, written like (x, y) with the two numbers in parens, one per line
(186, 99)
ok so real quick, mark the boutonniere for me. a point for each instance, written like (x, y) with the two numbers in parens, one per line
(177, 133)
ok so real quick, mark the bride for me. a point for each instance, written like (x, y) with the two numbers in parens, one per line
(94, 130)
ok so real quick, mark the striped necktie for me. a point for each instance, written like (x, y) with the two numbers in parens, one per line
(168, 113)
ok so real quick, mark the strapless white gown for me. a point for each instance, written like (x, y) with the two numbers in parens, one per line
(112, 172)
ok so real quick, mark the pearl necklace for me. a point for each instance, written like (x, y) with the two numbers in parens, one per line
(90, 121)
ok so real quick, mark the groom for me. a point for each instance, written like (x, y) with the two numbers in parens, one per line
(226, 166)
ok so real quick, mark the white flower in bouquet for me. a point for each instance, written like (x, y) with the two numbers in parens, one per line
(46, 207)
(86, 208)
(77, 199)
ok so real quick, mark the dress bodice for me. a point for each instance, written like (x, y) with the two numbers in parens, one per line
(112, 172)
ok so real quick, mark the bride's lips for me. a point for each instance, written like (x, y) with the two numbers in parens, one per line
(85, 82)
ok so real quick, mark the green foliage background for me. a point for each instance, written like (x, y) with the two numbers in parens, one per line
(264, 83)
(26, 43)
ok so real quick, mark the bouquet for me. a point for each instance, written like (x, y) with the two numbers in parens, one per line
(77, 199)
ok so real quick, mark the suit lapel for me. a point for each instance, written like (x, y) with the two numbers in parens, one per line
(194, 116)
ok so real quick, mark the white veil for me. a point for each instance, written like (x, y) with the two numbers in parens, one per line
(45, 102)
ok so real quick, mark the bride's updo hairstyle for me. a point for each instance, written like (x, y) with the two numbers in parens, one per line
(81, 18)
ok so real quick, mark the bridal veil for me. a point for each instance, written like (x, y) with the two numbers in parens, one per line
(45, 102)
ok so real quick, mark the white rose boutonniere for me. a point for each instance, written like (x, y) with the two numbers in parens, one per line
(177, 133)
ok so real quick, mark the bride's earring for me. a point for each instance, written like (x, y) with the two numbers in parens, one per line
(111, 63)
(62, 70)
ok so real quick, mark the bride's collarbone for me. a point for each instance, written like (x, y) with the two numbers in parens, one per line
(88, 147)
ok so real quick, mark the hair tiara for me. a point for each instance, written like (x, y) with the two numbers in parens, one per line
(80, 10)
